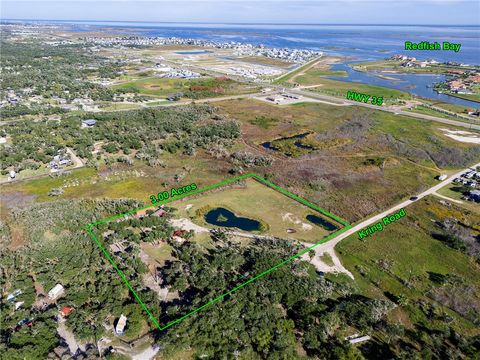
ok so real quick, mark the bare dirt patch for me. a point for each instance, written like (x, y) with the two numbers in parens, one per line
(17, 236)
(462, 136)
(16, 199)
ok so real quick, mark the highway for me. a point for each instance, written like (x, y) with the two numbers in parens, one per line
(331, 100)
(383, 108)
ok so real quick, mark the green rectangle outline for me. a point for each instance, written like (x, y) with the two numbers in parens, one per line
(210, 187)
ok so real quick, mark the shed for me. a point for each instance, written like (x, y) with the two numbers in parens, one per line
(89, 122)
(66, 310)
(56, 292)
(122, 322)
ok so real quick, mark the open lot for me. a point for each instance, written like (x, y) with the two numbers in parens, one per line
(410, 259)
(190, 88)
(283, 216)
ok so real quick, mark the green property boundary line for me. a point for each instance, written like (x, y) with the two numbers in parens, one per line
(226, 182)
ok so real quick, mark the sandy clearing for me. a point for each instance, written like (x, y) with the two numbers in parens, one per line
(320, 265)
(306, 227)
(147, 354)
(462, 136)
(187, 224)
(447, 198)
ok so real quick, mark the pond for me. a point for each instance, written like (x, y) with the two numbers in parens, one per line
(268, 144)
(225, 218)
(322, 222)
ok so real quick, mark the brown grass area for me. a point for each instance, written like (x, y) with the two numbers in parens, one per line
(17, 237)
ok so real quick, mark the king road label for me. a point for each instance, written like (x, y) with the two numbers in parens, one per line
(380, 226)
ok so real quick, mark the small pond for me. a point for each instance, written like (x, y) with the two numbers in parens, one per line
(225, 218)
(322, 222)
(268, 144)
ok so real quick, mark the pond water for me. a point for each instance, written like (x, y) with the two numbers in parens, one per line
(268, 144)
(225, 218)
(417, 84)
(322, 222)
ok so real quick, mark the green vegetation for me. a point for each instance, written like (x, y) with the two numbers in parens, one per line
(296, 147)
(51, 72)
(395, 66)
(313, 76)
(154, 131)
(263, 122)
(291, 74)
(419, 263)
(340, 88)
(254, 200)
(338, 175)
(189, 88)
(56, 252)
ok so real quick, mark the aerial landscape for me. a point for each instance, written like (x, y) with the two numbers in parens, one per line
(239, 180)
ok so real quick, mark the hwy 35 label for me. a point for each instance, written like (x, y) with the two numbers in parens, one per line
(375, 100)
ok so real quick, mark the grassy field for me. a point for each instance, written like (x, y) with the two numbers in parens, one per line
(257, 201)
(205, 87)
(112, 106)
(428, 111)
(473, 97)
(292, 74)
(382, 158)
(123, 181)
(313, 76)
(394, 65)
(159, 253)
(454, 191)
(340, 88)
(402, 259)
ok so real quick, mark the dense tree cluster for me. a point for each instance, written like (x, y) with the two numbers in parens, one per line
(58, 251)
(148, 132)
(49, 70)
(273, 317)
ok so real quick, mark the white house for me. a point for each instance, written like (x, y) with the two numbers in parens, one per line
(442, 177)
(122, 322)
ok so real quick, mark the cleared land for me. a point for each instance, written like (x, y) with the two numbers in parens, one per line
(257, 201)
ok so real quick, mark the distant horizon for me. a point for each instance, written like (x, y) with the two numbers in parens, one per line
(251, 12)
(235, 23)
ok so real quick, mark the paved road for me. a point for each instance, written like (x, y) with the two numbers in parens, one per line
(329, 245)
(384, 108)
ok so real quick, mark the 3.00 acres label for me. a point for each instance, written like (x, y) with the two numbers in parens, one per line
(173, 192)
